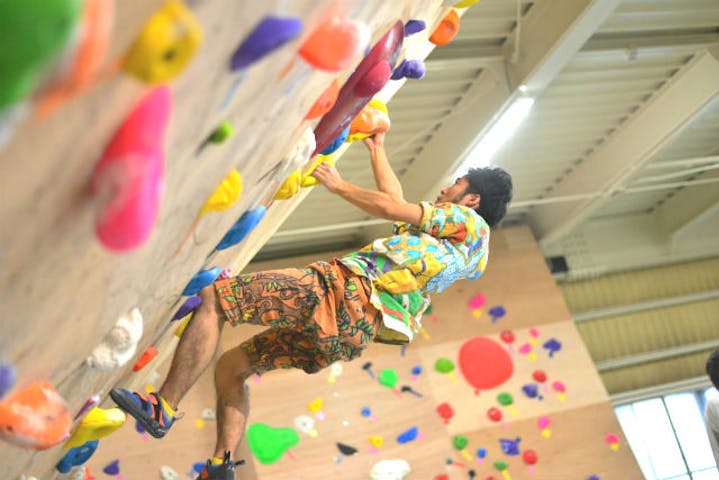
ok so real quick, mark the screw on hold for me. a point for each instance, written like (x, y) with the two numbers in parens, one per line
(367, 367)
(407, 388)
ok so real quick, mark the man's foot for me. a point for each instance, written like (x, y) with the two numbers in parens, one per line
(220, 471)
(148, 409)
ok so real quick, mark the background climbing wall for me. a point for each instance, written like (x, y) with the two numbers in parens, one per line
(60, 291)
(566, 427)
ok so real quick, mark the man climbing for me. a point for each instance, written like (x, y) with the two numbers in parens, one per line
(330, 311)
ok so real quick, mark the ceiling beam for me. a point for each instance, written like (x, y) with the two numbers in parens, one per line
(610, 167)
(688, 208)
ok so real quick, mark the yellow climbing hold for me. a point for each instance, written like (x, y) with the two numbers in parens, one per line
(315, 405)
(376, 441)
(181, 329)
(226, 193)
(307, 179)
(465, 3)
(290, 187)
(96, 424)
(373, 118)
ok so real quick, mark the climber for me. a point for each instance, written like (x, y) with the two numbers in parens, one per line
(330, 311)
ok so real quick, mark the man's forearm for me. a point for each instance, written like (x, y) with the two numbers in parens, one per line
(384, 176)
(380, 204)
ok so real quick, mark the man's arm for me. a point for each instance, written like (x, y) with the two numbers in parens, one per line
(377, 204)
(384, 176)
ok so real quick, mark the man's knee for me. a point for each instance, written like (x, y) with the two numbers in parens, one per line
(210, 300)
(234, 365)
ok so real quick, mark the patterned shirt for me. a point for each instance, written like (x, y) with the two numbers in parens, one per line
(451, 243)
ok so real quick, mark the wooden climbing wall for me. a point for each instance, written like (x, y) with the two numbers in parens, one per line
(517, 280)
(60, 291)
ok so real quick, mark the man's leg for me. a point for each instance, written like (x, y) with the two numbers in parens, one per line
(196, 349)
(233, 406)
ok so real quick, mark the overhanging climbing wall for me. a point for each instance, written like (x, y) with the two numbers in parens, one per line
(550, 409)
(112, 156)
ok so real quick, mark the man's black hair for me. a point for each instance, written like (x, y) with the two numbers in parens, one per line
(713, 368)
(494, 186)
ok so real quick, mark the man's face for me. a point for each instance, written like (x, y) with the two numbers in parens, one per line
(454, 192)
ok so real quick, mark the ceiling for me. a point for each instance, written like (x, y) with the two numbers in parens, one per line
(617, 164)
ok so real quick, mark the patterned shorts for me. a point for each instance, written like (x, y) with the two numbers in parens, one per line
(317, 315)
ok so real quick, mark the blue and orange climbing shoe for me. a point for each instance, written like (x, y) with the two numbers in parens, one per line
(147, 409)
(220, 471)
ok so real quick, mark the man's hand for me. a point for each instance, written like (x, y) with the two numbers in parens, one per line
(375, 141)
(328, 176)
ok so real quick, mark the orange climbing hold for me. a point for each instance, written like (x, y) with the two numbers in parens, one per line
(446, 30)
(335, 43)
(146, 358)
(325, 101)
(35, 417)
(373, 118)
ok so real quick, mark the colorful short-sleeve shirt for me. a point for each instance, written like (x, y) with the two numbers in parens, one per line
(450, 244)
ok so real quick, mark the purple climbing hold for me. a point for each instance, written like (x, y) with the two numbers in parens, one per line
(510, 447)
(552, 345)
(112, 468)
(139, 428)
(409, 69)
(268, 35)
(530, 390)
(497, 312)
(7, 378)
(414, 26)
(186, 308)
(593, 477)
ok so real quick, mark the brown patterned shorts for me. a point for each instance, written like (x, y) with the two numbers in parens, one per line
(317, 315)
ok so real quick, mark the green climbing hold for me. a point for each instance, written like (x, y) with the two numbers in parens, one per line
(460, 442)
(444, 365)
(429, 309)
(388, 377)
(222, 133)
(500, 465)
(505, 399)
(269, 444)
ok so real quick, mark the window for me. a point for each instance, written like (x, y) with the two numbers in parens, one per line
(668, 436)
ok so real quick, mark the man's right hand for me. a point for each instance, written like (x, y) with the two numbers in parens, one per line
(375, 141)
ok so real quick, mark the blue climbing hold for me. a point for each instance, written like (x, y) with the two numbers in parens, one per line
(268, 35)
(201, 279)
(408, 435)
(510, 447)
(414, 26)
(481, 452)
(366, 412)
(416, 370)
(186, 308)
(8, 375)
(553, 346)
(247, 222)
(530, 390)
(77, 456)
(497, 313)
(197, 467)
(337, 142)
(112, 468)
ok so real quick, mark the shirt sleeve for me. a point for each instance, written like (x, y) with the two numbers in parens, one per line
(447, 220)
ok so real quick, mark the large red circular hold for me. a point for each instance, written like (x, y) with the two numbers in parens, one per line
(484, 363)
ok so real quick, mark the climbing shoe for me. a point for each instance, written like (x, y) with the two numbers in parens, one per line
(220, 471)
(147, 409)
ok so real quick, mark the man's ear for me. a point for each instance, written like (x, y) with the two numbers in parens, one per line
(471, 200)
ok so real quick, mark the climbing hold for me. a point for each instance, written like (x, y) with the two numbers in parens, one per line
(345, 451)
(181, 328)
(225, 195)
(373, 118)
(219, 135)
(465, 3)
(414, 69)
(336, 143)
(445, 366)
(187, 308)
(334, 43)
(553, 346)
(484, 363)
(290, 187)
(306, 425)
(165, 46)
(395, 469)
(269, 34)
(89, 404)
(367, 367)
(446, 30)
(459, 442)
(35, 416)
(128, 181)
(8, 375)
(369, 77)
(269, 444)
(33, 34)
(200, 280)
(530, 390)
(445, 411)
(77, 456)
(325, 101)
(414, 26)
(307, 179)
(299, 153)
(112, 468)
(388, 377)
(408, 389)
(120, 343)
(509, 446)
(376, 441)
(408, 435)
(497, 312)
(150, 353)
(530, 457)
(494, 414)
(247, 222)
(96, 424)
(168, 473)
(83, 66)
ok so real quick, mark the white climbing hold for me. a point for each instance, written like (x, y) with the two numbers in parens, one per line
(390, 470)
(208, 414)
(120, 344)
(306, 425)
(167, 473)
(299, 153)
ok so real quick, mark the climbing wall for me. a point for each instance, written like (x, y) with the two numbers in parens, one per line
(63, 286)
(546, 416)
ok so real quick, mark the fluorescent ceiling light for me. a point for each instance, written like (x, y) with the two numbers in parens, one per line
(505, 126)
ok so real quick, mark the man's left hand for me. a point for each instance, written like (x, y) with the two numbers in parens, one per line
(328, 176)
